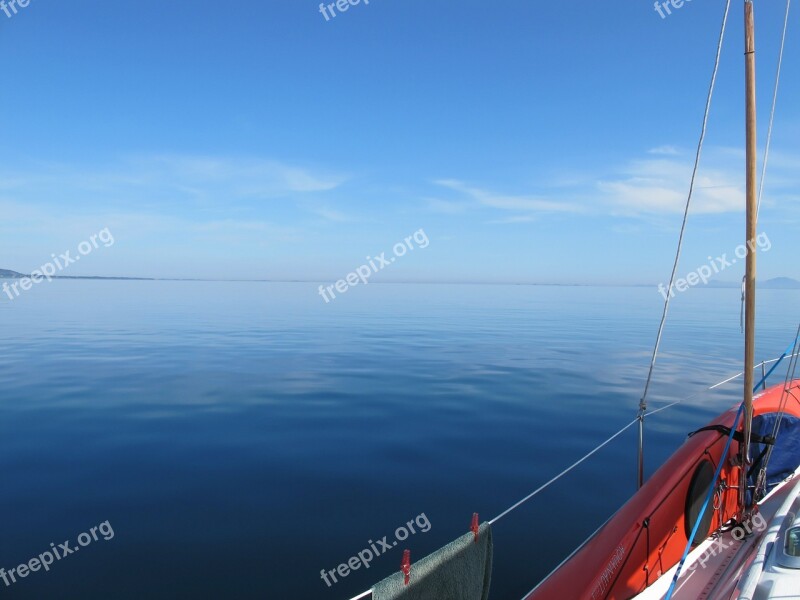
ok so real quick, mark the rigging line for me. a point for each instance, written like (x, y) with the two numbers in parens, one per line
(792, 348)
(564, 472)
(643, 401)
(790, 372)
(774, 105)
(658, 410)
(729, 379)
(761, 481)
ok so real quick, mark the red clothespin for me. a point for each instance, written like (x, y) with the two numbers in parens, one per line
(405, 566)
(475, 525)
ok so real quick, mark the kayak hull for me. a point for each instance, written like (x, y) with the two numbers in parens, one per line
(649, 534)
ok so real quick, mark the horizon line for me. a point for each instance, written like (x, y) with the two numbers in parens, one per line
(389, 282)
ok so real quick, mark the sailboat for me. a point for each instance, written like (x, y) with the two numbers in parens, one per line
(719, 520)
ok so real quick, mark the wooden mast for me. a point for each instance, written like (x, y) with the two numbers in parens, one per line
(750, 271)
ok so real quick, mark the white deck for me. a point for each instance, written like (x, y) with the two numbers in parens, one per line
(717, 567)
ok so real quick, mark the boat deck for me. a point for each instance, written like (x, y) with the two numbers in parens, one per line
(713, 569)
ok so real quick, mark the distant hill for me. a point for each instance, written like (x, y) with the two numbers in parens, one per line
(10, 274)
(5, 273)
(781, 283)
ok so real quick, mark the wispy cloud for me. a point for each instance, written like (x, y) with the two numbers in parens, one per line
(188, 208)
(246, 176)
(175, 178)
(661, 186)
(781, 160)
(446, 207)
(652, 185)
(512, 220)
(330, 214)
(664, 151)
(527, 205)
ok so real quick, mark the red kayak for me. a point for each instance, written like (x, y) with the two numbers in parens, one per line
(648, 535)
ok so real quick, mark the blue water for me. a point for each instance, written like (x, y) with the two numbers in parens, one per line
(241, 437)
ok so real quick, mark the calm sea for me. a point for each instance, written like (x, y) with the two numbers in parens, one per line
(238, 438)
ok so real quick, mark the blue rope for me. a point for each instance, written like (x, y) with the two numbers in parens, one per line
(775, 366)
(705, 504)
(688, 548)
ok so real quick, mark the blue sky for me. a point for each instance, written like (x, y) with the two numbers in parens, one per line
(532, 141)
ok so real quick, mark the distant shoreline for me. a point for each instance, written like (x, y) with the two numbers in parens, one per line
(778, 283)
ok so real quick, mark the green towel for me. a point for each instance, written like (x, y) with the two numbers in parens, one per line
(462, 570)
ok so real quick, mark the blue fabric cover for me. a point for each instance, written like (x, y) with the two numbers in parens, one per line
(786, 455)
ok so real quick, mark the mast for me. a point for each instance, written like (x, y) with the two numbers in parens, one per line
(750, 270)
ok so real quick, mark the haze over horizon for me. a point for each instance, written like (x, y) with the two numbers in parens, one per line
(773, 283)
